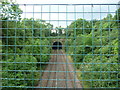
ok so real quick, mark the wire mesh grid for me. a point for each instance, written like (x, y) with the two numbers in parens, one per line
(60, 46)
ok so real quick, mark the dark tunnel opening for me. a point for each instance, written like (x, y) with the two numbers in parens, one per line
(57, 45)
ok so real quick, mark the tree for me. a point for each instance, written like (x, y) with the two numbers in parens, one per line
(22, 68)
(59, 30)
(79, 26)
(10, 10)
(94, 48)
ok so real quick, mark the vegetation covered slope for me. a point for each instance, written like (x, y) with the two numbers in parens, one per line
(94, 48)
(24, 52)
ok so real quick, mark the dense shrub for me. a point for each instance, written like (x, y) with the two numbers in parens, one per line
(97, 51)
(20, 71)
(23, 49)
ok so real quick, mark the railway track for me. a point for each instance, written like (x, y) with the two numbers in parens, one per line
(59, 73)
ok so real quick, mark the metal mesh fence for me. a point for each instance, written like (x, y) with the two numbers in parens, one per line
(60, 46)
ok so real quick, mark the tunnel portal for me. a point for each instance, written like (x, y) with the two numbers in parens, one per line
(57, 45)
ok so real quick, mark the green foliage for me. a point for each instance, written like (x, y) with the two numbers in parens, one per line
(59, 31)
(10, 11)
(17, 77)
(28, 50)
(117, 16)
(36, 27)
(80, 25)
(96, 44)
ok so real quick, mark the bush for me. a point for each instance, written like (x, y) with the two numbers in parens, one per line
(20, 71)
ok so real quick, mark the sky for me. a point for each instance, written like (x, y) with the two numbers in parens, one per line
(62, 18)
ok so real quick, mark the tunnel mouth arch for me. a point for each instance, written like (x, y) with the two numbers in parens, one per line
(57, 45)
